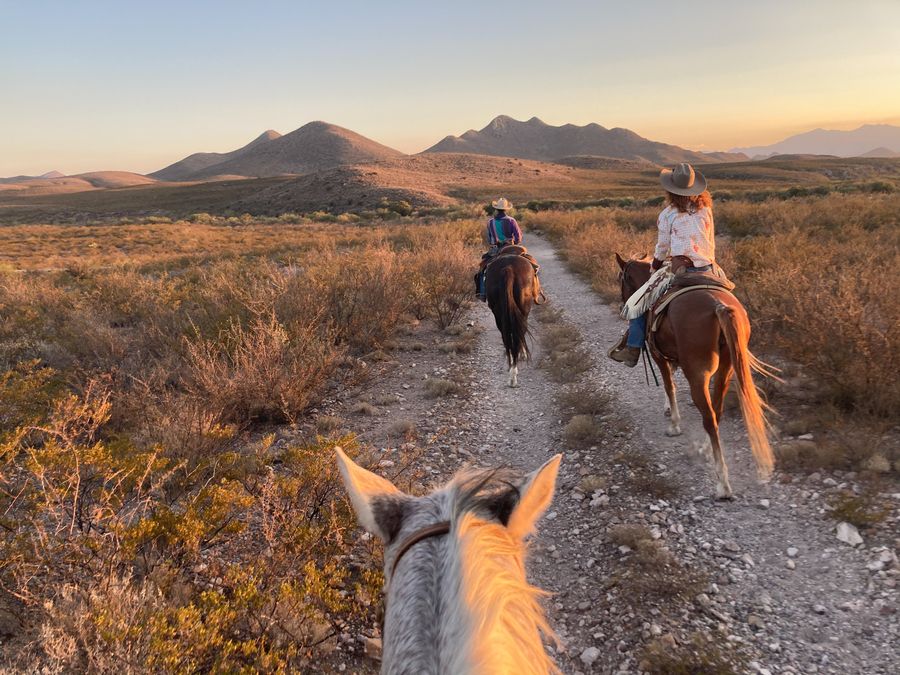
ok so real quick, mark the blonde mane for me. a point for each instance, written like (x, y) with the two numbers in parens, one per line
(505, 610)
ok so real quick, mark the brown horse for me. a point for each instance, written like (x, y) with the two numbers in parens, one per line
(512, 289)
(705, 332)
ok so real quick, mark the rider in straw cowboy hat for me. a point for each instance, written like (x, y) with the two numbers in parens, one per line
(686, 234)
(501, 231)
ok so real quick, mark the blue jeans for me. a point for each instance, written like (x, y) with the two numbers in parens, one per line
(637, 328)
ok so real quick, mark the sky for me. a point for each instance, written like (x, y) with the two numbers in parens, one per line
(126, 85)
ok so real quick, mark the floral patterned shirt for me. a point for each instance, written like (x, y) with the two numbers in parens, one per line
(688, 234)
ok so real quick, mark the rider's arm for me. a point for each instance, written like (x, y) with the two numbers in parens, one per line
(664, 238)
(516, 231)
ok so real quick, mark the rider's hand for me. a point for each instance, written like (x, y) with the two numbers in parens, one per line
(656, 264)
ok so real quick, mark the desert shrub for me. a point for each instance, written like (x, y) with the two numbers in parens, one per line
(363, 295)
(862, 510)
(582, 431)
(697, 655)
(112, 550)
(825, 302)
(143, 526)
(651, 571)
(437, 387)
(261, 372)
(441, 281)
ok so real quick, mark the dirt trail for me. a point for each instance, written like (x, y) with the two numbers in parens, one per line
(783, 589)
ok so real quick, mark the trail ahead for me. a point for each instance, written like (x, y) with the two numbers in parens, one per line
(772, 583)
(783, 588)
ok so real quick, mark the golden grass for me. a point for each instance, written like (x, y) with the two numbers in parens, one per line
(138, 510)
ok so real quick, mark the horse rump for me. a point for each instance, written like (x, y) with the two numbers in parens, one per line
(509, 287)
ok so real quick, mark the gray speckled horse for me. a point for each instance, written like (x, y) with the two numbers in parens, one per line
(455, 588)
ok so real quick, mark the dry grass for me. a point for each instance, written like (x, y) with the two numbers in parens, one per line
(437, 387)
(652, 572)
(405, 429)
(862, 510)
(137, 512)
(582, 431)
(698, 655)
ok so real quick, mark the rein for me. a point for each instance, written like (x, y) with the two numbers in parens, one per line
(435, 530)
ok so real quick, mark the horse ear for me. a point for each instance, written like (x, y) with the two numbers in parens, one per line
(379, 506)
(537, 493)
(621, 261)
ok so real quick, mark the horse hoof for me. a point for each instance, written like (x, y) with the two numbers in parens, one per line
(724, 495)
(673, 432)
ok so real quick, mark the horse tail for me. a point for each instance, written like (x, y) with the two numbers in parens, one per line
(737, 335)
(513, 322)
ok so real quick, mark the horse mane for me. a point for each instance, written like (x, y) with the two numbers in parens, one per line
(505, 610)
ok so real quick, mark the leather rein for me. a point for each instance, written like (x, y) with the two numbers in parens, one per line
(443, 527)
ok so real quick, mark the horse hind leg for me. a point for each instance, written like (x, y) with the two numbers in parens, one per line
(671, 405)
(514, 376)
(700, 396)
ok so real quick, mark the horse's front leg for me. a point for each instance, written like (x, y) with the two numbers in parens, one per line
(671, 405)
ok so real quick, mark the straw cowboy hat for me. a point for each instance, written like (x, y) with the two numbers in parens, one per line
(683, 180)
(502, 204)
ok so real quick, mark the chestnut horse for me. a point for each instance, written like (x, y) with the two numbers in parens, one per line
(705, 332)
(512, 289)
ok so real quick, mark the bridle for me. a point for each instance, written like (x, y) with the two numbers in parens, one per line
(443, 527)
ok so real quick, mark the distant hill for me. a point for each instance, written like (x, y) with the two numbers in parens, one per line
(881, 152)
(57, 183)
(312, 147)
(19, 179)
(190, 165)
(832, 142)
(535, 139)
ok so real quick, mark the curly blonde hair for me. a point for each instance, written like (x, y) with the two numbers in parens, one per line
(690, 204)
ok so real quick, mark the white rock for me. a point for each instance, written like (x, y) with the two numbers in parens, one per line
(791, 565)
(589, 655)
(848, 534)
(764, 503)
(819, 609)
(792, 552)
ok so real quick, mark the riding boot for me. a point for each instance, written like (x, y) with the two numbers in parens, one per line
(622, 353)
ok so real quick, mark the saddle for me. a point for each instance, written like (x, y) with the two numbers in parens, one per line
(515, 250)
(683, 282)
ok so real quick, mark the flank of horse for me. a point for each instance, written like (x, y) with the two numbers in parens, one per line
(512, 289)
(706, 332)
(458, 601)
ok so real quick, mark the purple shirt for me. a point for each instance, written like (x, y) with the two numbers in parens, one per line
(509, 228)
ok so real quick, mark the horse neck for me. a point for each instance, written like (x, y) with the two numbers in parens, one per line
(461, 604)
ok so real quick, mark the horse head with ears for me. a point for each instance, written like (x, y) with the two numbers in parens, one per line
(457, 600)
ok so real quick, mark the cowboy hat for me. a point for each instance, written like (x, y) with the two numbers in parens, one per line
(683, 180)
(502, 204)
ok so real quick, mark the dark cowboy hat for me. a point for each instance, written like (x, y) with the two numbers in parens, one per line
(683, 180)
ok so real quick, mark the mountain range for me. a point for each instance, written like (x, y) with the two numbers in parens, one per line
(535, 139)
(320, 146)
(869, 140)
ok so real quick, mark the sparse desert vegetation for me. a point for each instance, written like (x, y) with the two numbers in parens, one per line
(148, 519)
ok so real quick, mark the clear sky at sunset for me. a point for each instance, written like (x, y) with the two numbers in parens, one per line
(96, 84)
